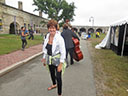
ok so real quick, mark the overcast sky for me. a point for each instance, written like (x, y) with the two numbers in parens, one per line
(105, 12)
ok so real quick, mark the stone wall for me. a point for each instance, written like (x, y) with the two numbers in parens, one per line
(87, 28)
(7, 14)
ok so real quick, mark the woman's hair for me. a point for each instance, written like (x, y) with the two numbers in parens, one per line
(65, 26)
(52, 23)
(22, 27)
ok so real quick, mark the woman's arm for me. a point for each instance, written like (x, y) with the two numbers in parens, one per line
(62, 54)
(44, 46)
(22, 33)
(44, 50)
(62, 50)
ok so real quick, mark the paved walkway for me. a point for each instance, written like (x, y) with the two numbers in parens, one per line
(17, 56)
(32, 79)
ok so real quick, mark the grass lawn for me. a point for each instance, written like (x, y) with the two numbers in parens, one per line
(111, 70)
(10, 43)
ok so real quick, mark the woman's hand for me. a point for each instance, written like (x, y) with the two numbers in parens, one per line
(59, 68)
(26, 34)
(43, 61)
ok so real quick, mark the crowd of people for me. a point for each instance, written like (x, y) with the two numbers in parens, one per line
(89, 34)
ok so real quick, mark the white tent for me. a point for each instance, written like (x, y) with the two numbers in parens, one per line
(106, 41)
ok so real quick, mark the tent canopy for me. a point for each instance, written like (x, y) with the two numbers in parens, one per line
(106, 41)
(120, 22)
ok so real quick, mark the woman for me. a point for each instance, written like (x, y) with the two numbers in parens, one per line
(54, 52)
(23, 37)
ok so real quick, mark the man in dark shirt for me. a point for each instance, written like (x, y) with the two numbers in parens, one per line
(31, 34)
(67, 34)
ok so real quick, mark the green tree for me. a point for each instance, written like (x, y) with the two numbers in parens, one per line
(59, 10)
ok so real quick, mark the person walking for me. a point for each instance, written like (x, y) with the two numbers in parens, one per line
(23, 37)
(67, 34)
(31, 32)
(89, 35)
(54, 55)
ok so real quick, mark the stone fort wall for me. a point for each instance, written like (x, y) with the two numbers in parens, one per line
(103, 29)
(22, 18)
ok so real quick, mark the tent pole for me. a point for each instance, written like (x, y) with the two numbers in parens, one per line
(122, 52)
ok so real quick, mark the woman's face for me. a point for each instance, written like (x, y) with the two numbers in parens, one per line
(52, 30)
(23, 29)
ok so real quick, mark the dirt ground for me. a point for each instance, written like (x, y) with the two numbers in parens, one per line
(99, 75)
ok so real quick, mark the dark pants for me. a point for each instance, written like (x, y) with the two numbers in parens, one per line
(97, 36)
(56, 76)
(70, 51)
(24, 43)
(31, 36)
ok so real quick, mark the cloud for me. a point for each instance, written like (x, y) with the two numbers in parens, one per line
(104, 11)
